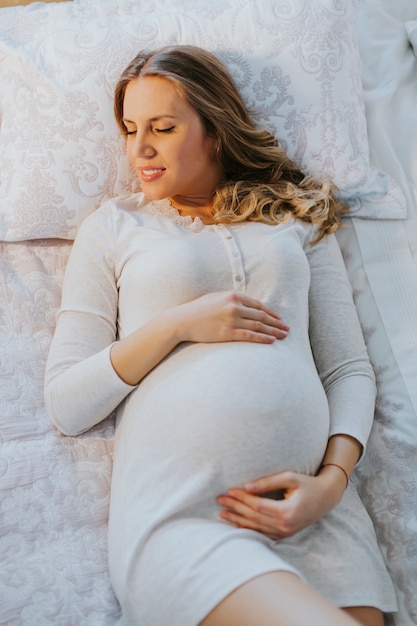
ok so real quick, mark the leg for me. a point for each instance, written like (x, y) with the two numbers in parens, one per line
(366, 615)
(276, 599)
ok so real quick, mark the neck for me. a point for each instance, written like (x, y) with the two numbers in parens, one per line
(194, 206)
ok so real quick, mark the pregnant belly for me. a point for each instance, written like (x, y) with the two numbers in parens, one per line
(239, 410)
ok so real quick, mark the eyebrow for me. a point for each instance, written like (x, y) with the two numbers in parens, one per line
(152, 119)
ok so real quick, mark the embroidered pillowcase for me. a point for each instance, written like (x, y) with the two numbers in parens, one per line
(61, 154)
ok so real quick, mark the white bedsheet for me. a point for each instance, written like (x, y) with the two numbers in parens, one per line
(381, 258)
(54, 490)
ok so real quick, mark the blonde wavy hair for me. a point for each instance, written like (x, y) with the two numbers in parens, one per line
(262, 184)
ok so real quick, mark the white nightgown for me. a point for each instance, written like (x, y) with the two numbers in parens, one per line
(214, 415)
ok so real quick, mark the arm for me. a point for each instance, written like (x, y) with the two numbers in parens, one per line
(348, 379)
(89, 372)
(214, 317)
(338, 345)
(81, 386)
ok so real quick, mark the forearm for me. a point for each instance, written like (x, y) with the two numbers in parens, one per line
(342, 454)
(214, 317)
(81, 395)
(340, 355)
(351, 403)
(84, 382)
(137, 354)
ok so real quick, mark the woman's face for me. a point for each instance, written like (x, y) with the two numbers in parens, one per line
(167, 144)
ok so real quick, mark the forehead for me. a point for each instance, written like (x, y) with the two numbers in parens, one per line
(154, 96)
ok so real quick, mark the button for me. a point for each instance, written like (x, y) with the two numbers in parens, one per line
(238, 278)
(229, 237)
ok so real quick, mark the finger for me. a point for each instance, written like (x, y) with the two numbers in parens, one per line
(240, 334)
(251, 303)
(272, 517)
(278, 331)
(263, 316)
(251, 315)
(234, 508)
(282, 481)
(246, 504)
(245, 517)
(257, 304)
(237, 506)
(243, 522)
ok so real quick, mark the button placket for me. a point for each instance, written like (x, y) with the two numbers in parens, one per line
(235, 258)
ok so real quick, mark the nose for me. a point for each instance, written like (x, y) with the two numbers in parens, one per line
(142, 146)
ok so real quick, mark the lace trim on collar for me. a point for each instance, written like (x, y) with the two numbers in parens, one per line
(165, 208)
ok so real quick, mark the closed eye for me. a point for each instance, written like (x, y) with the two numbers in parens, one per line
(164, 130)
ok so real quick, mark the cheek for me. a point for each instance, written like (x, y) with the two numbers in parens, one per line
(198, 153)
(129, 149)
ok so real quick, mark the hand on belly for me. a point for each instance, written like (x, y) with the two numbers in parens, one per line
(303, 501)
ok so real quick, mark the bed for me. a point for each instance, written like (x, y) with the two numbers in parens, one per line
(336, 80)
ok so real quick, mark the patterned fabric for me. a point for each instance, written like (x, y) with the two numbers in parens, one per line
(61, 154)
(387, 475)
(54, 491)
(381, 258)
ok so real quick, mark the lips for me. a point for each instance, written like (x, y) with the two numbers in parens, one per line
(149, 174)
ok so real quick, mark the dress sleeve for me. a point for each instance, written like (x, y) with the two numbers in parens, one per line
(338, 345)
(81, 386)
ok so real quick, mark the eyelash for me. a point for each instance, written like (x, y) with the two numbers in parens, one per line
(164, 130)
(157, 130)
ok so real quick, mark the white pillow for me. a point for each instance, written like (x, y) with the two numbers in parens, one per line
(61, 155)
(412, 34)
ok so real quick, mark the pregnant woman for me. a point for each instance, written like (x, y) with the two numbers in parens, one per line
(213, 310)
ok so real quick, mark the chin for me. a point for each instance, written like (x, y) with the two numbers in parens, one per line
(152, 194)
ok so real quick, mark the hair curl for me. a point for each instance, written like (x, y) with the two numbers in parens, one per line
(262, 183)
